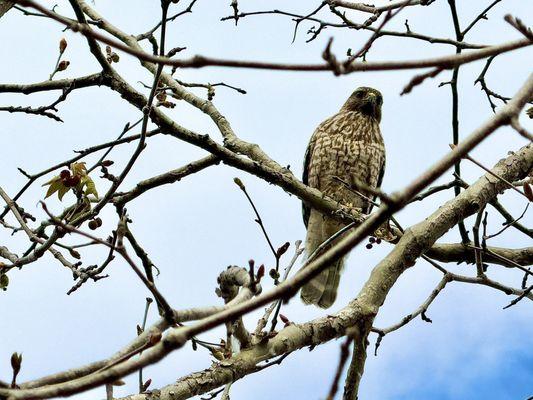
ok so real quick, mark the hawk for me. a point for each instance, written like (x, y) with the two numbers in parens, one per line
(345, 149)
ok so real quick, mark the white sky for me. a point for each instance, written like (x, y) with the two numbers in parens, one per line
(195, 228)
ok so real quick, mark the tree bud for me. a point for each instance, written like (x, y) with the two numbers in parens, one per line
(62, 45)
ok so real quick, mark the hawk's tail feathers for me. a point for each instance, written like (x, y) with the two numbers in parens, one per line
(322, 289)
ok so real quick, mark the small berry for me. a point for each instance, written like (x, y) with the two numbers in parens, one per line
(369, 246)
(93, 225)
(64, 174)
(72, 181)
(378, 240)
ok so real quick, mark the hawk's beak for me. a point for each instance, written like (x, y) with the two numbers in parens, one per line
(371, 104)
(372, 100)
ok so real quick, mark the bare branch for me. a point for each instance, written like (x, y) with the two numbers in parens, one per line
(445, 62)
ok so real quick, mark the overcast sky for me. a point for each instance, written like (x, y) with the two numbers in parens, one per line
(195, 228)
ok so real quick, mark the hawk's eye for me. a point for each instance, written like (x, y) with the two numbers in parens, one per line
(359, 94)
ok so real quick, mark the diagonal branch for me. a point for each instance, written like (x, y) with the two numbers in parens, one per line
(164, 179)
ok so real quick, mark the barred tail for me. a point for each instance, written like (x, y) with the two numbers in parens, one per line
(322, 289)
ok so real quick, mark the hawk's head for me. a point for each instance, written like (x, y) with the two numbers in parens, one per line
(366, 100)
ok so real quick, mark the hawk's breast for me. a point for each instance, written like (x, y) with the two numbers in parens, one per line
(347, 146)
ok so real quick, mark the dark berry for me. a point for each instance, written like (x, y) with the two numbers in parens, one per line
(72, 181)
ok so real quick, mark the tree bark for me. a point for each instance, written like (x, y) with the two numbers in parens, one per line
(5, 6)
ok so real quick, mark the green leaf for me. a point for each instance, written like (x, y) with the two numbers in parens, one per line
(78, 169)
(90, 187)
(61, 192)
(55, 185)
(55, 178)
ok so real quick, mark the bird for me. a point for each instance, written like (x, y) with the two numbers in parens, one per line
(345, 149)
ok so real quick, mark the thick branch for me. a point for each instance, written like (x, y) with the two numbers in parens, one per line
(457, 252)
(5, 6)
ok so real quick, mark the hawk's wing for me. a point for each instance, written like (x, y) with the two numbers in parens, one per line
(306, 210)
(378, 185)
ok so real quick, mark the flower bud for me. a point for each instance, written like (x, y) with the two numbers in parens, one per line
(239, 183)
(62, 45)
(282, 250)
(146, 385)
(16, 362)
(63, 65)
(75, 254)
